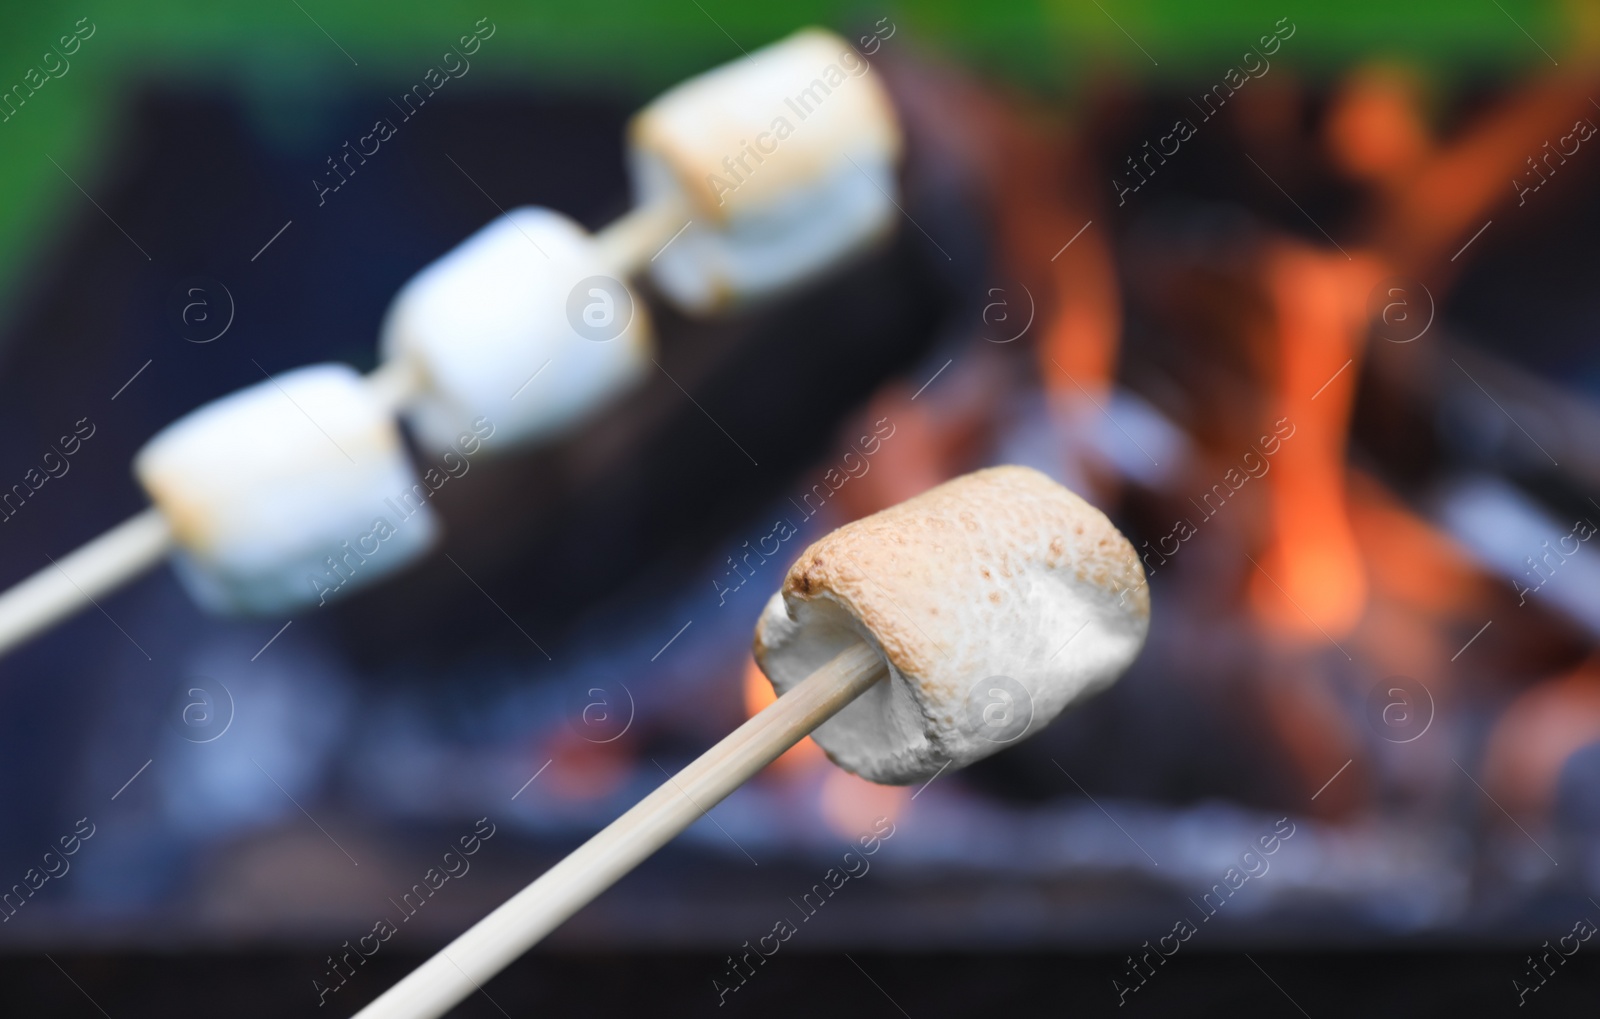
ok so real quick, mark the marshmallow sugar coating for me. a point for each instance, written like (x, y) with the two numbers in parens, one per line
(785, 161)
(267, 488)
(525, 296)
(998, 597)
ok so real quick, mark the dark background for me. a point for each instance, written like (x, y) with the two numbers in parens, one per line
(387, 724)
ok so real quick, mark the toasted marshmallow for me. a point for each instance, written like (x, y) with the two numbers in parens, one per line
(275, 493)
(996, 600)
(785, 161)
(525, 298)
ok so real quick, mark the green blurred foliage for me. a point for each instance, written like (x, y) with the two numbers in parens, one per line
(281, 55)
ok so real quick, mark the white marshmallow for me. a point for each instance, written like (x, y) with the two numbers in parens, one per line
(996, 599)
(503, 306)
(262, 486)
(785, 160)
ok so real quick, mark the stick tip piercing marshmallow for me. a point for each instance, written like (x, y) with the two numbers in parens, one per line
(785, 161)
(872, 642)
(285, 488)
(996, 599)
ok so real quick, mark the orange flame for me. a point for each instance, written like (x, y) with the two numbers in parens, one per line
(805, 755)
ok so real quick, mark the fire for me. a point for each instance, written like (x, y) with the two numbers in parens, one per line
(850, 804)
(801, 758)
(1311, 579)
(581, 769)
(847, 803)
(1533, 739)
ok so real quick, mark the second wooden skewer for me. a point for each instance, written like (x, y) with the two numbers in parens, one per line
(494, 942)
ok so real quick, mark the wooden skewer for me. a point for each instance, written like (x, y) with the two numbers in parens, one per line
(72, 582)
(492, 943)
(122, 553)
(632, 240)
(396, 383)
